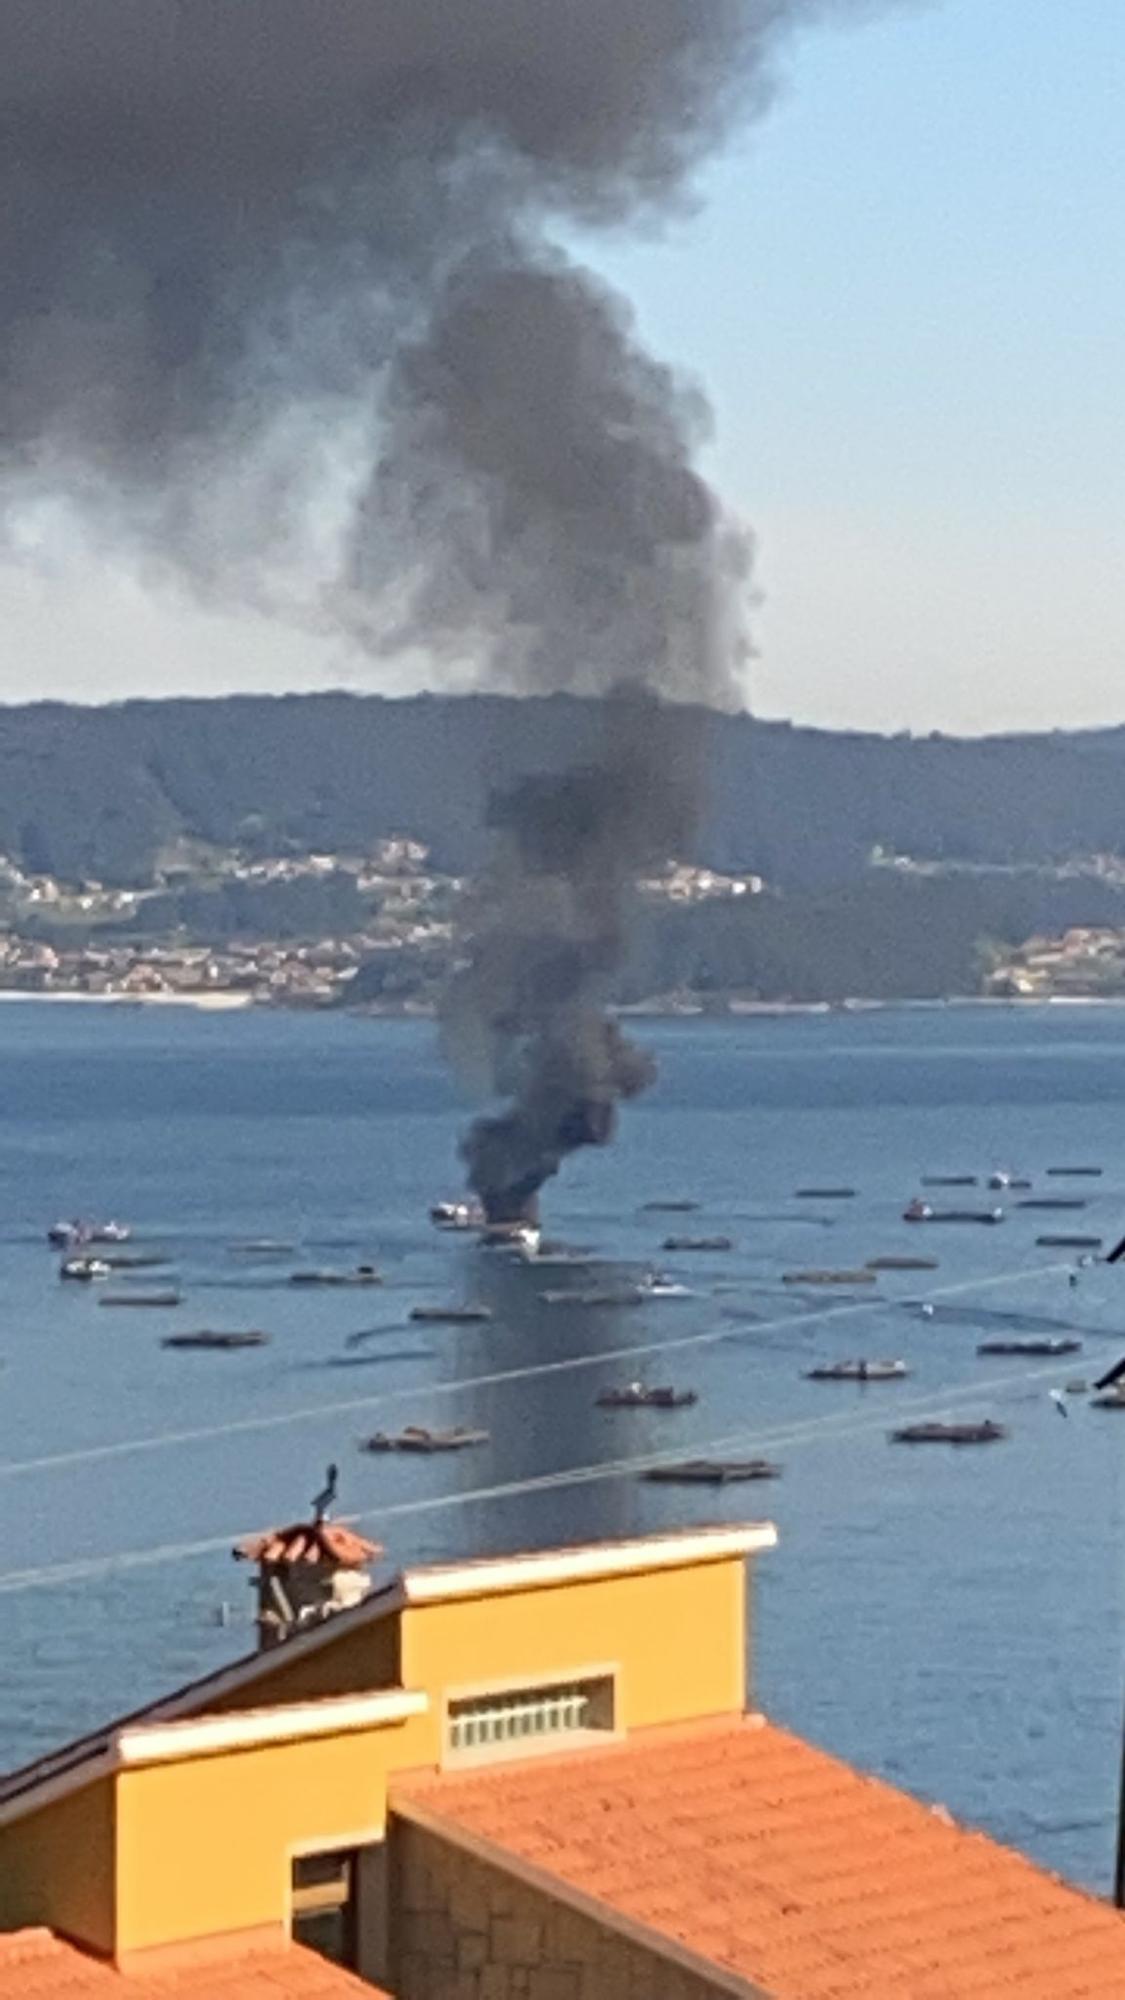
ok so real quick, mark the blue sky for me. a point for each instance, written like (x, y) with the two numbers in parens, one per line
(906, 296)
(904, 291)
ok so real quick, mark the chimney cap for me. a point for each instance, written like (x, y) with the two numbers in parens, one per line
(327, 1542)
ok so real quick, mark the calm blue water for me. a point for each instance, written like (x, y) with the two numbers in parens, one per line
(953, 1620)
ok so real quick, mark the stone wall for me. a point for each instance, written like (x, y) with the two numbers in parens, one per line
(463, 1929)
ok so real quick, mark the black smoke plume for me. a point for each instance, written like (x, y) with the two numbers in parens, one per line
(282, 309)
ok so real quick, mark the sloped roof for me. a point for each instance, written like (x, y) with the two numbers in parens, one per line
(311, 1542)
(753, 1850)
(24, 1787)
(36, 1965)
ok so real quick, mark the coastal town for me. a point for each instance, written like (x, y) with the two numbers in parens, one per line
(221, 928)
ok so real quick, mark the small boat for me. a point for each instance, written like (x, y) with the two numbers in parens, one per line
(1053, 1201)
(1063, 1345)
(364, 1274)
(949, 1180)
(824, 1194)
(72, 1235)
(659, 1286)
(935, 1433)
(415, 1437)
(864, 1277)
(635, 1396)
(451, 1315)
(669, 1207)
(921, 1211)
(902, 1264)
(697, 1243)
(1005, 1182)
(1074, 1173)
(858, 1371)
(1070, 1242)
(457, 1215)
(216, 1340)
(712, 1471)
(141, 1299)
(84, 1269)
(67, 1235)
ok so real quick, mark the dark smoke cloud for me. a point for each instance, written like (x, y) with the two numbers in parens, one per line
(271, 264)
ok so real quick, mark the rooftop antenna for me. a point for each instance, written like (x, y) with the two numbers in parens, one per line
(327, 1495)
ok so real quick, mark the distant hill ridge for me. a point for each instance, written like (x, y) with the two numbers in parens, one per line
(99, 791)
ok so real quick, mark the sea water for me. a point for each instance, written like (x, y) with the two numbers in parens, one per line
(952, 1619)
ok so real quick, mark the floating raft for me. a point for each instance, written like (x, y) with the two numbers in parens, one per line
(712, 1471)
(669, 1207)
(1056, 1202)
(141, 1299)
(1074, 1173)
(1114, 1399)
(864, 1277)
(364, 1274)
(1070, 1242)
(415, 1438)
(216, 1340)
(824, 1194)
(902, 1264)
(949, 1180)
(262, 1246)
(934, 1433)
(858, 1371)
(697, 1243)
(1035, 1346)
(451, 1315)
(1005, 1180)
(635, 1396)
(591, 1301)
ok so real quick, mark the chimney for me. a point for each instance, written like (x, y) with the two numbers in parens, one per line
(304, 1574)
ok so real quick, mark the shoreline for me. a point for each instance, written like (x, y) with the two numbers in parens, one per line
(225, 1002)
(206, 1003)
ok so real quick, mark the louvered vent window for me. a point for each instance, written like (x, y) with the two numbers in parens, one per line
(503, 1723)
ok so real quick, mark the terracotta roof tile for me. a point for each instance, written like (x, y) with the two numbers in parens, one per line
(36, 1965)
(311, 1542)
(792, 1870)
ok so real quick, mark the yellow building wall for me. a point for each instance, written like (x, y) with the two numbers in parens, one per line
(57, 1868)
(677, 1637)
(204, 1846)
(354, 1662)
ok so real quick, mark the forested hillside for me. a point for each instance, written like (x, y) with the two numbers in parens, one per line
(97, 792)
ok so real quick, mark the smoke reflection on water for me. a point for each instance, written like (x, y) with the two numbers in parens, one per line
(530, 1436)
